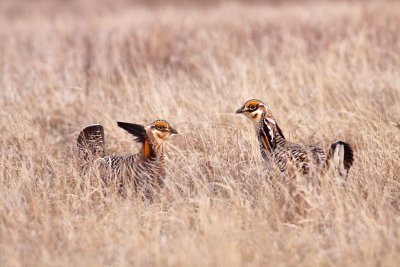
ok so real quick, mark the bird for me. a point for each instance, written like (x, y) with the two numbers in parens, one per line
(145, 170)
(277, 150)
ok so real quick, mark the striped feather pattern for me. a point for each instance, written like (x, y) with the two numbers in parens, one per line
(286, 155)
(144, 174)
(144, 171)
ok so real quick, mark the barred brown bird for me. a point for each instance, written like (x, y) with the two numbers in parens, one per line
(145, 170)
(303, 158)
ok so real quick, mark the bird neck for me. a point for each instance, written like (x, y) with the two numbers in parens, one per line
(269, 134)
(151, 149)
(279, 137)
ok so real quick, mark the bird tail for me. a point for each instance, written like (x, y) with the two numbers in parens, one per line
(90, 143)
(340, 157)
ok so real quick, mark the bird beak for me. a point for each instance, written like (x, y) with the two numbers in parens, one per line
(173, 131)
(239, 111)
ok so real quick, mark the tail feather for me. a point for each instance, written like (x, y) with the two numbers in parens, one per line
(90, 143)
(341, 157)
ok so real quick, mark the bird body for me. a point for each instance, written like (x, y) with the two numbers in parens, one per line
(274, 147)
(286, 155)
(145, 170)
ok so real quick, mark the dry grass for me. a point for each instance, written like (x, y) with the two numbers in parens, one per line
(328, 70)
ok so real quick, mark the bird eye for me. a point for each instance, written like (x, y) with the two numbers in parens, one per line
(160, 128)
(252, 107)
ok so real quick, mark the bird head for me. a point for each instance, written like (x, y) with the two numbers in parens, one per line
(161, 130)
(254, 109)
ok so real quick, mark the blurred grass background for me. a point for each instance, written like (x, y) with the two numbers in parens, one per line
(329, 70)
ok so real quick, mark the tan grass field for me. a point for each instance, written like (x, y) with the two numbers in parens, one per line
(329, 71)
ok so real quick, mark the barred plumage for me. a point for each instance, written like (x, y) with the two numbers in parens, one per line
(286, 155)
(144, 170)
(91, 143)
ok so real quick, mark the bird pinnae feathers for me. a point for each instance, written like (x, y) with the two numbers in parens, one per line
(280, 131)
(136, 130)
(268, 133)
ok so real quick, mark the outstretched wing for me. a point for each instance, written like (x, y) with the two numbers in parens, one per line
(90, 142)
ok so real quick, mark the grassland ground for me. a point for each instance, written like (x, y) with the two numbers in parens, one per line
(329, 70)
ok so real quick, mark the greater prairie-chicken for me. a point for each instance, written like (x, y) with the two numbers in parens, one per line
(145, 170)
(303, 158)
